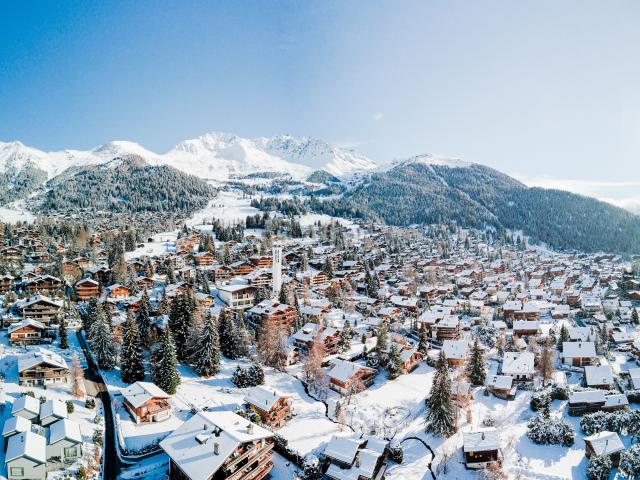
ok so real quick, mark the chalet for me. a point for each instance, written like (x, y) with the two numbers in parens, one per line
(362, 459)
(118, 291)
(6, 284)
(39, 308)
(604, 443)
(217, 445)
(411, 358)
(448, 328)
(258, 278)
(51, 411)
(13, 426)
(304, 337)
(590, 401)
(42, 367)
(526, 327)
(345, 377)
(64, 442)
(598, 376)
(242, 268)
(87, 288)
(46, 283)
(312, 277)
(237, 296)
(519, 365)
(26, 456)
(273, 311)
(481, 448)
(274, 409)
(501, 386)
(26, 332)
(455, 351)
(146, 402)
(204, 259)
(221, 273)
(261, 261)
(26, 407)
(579, 354)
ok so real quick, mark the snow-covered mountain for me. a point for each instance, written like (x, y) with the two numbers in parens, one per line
(215, 156)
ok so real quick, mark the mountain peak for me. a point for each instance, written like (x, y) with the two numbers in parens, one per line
(432, 159)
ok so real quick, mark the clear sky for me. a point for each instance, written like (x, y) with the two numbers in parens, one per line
(545, 90)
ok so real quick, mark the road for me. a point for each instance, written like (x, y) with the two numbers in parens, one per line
(95, 387)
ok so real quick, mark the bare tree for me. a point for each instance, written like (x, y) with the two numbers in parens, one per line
(545, 365)
(77, 378)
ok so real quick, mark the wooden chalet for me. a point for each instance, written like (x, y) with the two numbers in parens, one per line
(274, 409)
(87, 288)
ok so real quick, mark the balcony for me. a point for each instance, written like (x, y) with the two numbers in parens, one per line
(250, 452)
(252, 471)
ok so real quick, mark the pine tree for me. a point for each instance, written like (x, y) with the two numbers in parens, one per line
(634, 316)
(208, 349)
(476, 368)
(423, 341)
(131, 359)
(102, 343)
(440, 418)
(382, 339)
(228, 336)
(630, 462)
(563, 336)
(62, 334)
(256, 374)
(240, 377)
(90, 314)
(181, 323)
(166, 374)
(344, 340)
(394, 363)
(143, 319)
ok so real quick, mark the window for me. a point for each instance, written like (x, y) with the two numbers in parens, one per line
(71, 452)
(16, 471)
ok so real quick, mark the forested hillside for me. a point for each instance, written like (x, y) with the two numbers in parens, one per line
(19, 183)
(126, 184)
(477, 196)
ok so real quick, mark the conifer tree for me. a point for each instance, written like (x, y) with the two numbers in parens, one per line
(143, 319)
(62, 334)
(634, 316)
(90, 314)
(476, 368)
(207, 356)
(181, 323)
(102, 343)
(440, 417)
(563, 336)
(166, 374)
(228, 336)
(423, 341)
(382, 339)
(394, 363)
(344, 340)
(131, 359)
(256, 374)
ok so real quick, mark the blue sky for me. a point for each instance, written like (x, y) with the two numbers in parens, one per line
(545, 90)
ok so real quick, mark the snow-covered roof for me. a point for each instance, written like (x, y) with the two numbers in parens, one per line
(518, 363)
(27, 444)
(501, 382)
(139, 393)
(25, 402)
(27, 322)
(65, 429)
(191, 445)
(53, 408)
(41, 355)
(456, 349)
(343, 370)
(481, 440)
(605, 443)
(342, 449)
(262, 397)
(598, 375)
(15, 425)
(578, 349)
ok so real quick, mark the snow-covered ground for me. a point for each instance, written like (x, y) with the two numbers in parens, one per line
(16, 212)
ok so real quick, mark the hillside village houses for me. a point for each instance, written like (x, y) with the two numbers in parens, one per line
(348, 318)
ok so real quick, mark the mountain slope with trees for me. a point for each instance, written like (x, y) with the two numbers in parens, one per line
(126, 184)
(471, 195)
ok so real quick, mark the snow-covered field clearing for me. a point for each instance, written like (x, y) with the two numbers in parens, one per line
(16, 212)
(10, 390)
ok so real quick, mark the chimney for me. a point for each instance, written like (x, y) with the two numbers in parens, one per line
(204, 427)
(250, 428)
(216, 447)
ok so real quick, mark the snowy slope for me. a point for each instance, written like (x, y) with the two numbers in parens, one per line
(214, 156)
(430, 159)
